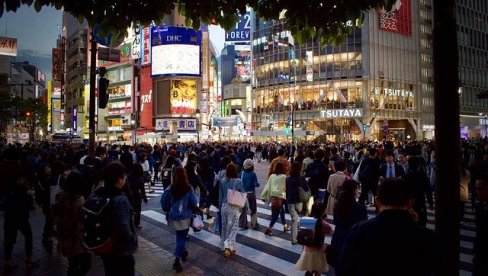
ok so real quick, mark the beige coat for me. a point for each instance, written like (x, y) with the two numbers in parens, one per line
(335, 180)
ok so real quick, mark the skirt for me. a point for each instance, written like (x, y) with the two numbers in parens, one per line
(312, 259)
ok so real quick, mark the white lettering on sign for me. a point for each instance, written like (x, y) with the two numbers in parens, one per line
(146, 99)
(174, 38)
(341, 113)
(394, 92)
(238, 35)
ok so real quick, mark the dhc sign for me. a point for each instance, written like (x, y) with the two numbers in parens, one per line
(341, 113)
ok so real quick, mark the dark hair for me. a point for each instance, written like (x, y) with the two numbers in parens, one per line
(394, 192)
(279, 168)
(281, 152)
(318, 210)
(372, 152)
(112, 173)
(73, 185)
(346, 198)
(137, 170)
(296, 169)
(180, 185)
(319, 154)
(389, 153)
(231, 171)
(413, 163)
(224, 161)
(340, 166)
(190, 168)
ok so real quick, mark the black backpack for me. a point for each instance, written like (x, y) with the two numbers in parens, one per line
(98, 232)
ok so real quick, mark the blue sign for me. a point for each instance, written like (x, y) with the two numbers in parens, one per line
(105, 41)
(163, 35)
(242, 31)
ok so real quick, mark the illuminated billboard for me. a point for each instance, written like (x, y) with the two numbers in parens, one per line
(183, 96)
(242, 64)
(398, 20)
(175, 51)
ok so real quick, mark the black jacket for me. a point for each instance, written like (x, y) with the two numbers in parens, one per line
(399, 171)
(389, 244)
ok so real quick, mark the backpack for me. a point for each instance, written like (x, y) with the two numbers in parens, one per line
(98, 234)
(306, 231)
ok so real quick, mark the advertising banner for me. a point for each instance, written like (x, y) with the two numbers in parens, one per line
(56, 105)
(242, 64)
(146, 106)
(309, 62)
(224, 121)
(175, 51)
(183, 96)
(122, 107)
(146, 46)
(57, 61)
(136, 41)
(8, 46)
(398, 20)
(182, 124)
(242, 31)
(122, 91)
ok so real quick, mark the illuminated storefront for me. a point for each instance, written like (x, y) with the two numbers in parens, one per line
(366, 88)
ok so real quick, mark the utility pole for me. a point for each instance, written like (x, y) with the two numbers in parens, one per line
(447, 149)
(93, 76)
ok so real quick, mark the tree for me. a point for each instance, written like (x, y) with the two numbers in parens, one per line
(328, 20)
(32, 114)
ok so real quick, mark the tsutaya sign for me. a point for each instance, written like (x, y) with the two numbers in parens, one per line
(341, 113)
(394, 92)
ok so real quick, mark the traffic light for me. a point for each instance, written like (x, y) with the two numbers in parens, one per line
(102, 92)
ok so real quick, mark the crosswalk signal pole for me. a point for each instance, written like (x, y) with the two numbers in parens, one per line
(93, 76)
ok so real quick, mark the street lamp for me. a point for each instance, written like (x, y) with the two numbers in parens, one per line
(197, 115)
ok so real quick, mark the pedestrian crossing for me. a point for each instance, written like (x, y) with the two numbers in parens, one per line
(278, 254)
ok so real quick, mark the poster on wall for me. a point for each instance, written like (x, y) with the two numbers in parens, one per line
(309, 62)
(242, 64)
(183, 96)
(398, 20)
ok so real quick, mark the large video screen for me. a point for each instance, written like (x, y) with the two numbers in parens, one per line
(176, 59)
(183, 96)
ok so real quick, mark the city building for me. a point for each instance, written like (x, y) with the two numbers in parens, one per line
(370, 87)
(472, 34)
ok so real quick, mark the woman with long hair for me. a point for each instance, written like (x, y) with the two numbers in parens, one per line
(275, 191)
(137, 193)
(293, 183)
(347, 212)
(68, 223)
(182, 201)
(312, 259)
(230, 214)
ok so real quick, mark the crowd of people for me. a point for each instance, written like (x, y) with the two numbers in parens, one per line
(340, 179)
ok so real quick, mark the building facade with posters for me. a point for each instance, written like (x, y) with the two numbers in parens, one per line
(176, 71)
(370, 87)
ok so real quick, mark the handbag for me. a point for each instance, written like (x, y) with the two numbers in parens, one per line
(355, 177)
(197, 222)
(276, 203)
(236, 198)
(303, 196)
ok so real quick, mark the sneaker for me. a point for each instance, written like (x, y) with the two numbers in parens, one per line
(293, 242)
(268, 232)
(227, 253)
(10, 265)
(286, 228)
(177, 266)
(31, 260)
(184, 256)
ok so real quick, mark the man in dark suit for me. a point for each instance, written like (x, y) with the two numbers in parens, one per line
(390, 168)
(392, 243)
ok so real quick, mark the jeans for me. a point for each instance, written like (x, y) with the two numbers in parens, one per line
(48, 225)
(180, 242)
(10, 236)
(294, 209)
(79, 265)
(119, 265)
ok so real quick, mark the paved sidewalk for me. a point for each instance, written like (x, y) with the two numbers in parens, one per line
(150, 259)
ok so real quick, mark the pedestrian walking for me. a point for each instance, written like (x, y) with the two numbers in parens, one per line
(137, 193)
(293, 183)
(250, 182)
(275, 192)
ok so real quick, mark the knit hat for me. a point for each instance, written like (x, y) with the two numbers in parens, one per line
(247, 164)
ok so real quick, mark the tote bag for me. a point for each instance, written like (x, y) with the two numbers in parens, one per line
(236, 198)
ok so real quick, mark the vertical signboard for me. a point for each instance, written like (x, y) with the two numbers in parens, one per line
(57, 64)
(146, 106)
(398, 20)
(136, 41)
(146, 46)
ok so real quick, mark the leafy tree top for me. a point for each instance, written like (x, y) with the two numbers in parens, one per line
(330, 20)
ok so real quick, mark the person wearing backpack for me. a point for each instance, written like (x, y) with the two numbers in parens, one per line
(68, 224)
(313, 259)
(179, 201)
(119, 260)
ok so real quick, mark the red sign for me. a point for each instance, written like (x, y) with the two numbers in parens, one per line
(146, 112)
(57, 70)
(398, 20)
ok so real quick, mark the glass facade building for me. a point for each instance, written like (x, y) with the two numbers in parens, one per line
(369, 87)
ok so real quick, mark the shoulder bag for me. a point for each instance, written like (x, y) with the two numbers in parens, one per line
(236, 198)
(303, 196)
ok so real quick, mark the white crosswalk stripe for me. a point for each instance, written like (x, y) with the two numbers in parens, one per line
(282, 241)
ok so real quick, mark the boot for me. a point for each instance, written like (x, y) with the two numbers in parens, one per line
(185, 256)
(177, 266)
